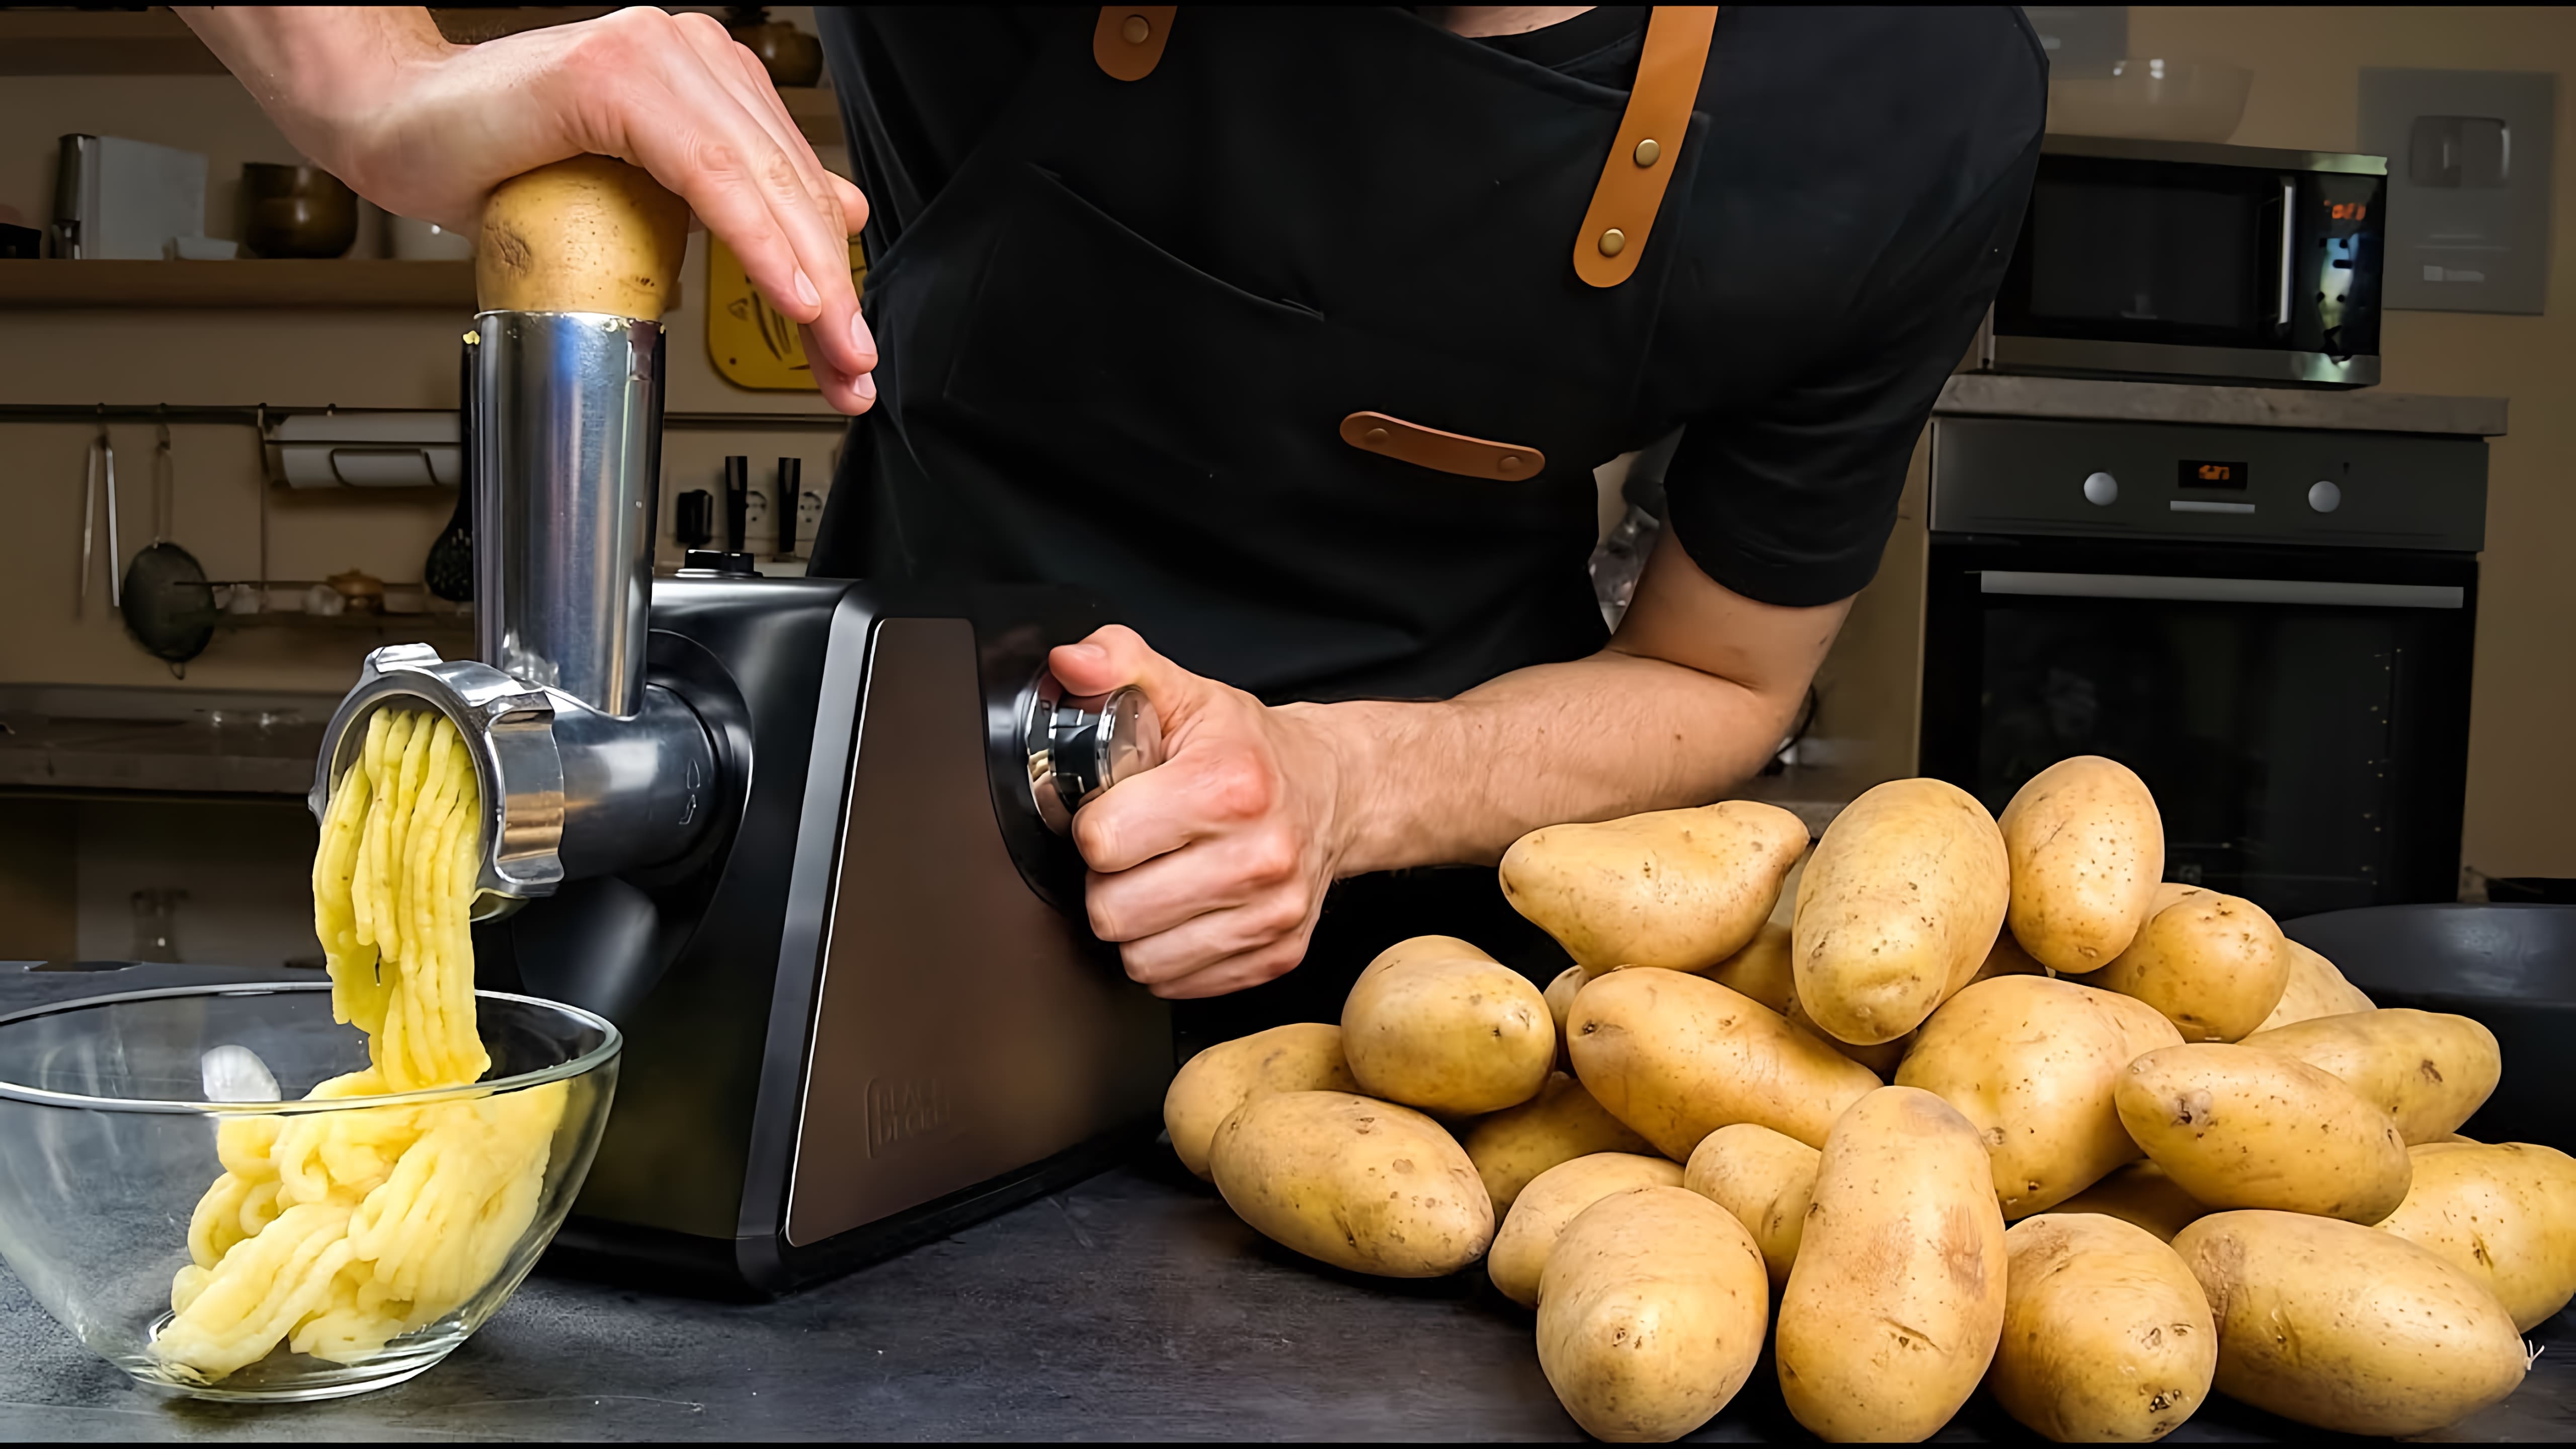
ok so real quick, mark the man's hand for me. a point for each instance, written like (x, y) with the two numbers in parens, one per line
(1208, 870)
(426, 129)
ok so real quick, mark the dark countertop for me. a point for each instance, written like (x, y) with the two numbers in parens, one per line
(1133, 1306)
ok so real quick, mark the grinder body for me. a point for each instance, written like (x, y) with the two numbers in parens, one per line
(800, 839)
(867, 1011)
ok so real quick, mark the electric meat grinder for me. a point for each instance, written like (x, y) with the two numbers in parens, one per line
(801, 839)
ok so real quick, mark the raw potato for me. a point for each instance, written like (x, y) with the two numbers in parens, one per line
(2215, 965)
(1676, 1057)
(1766, 1180)
(2106, 1335)
(1681, 889)
(1650, 1314)
(2140, 1194)
(1898, 908)
(1550, 1202)
(1560, 1000)
(2238, 1127)
(2504, 1215)
(2315, 988)
(1305, 1057)
(2032, 1062)
(1761, 970)
(1360, 1184)
(1437, 1024)
(1558, 1125)
(2348, 1328)
(2087, 849)
(1897, 1299)
(2427, 1069)
(588, 234)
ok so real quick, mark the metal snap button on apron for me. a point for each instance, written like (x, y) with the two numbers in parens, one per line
(1647, 151)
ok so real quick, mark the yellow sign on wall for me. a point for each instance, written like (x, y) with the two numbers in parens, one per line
(750, 344)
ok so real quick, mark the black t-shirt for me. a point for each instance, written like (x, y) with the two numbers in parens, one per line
(1865, 172)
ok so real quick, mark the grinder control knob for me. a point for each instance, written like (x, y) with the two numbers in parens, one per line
(1081, 744)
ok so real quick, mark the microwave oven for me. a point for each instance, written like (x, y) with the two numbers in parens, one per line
(2186, 261)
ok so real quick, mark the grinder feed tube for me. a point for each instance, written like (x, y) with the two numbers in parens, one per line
(584, 769)
(576, 263)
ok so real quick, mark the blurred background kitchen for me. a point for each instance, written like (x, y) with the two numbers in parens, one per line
(2252, 481)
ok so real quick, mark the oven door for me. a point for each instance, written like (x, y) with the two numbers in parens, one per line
(2301, 715)
(2132, 266)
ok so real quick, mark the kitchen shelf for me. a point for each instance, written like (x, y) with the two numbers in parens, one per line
(49, 285)
(378, 623)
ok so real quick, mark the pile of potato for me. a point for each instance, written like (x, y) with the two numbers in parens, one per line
(2223, 1167)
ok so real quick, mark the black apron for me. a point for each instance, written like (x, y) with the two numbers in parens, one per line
(1118, 348)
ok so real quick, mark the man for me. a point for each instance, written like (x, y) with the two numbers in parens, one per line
(1298, 334)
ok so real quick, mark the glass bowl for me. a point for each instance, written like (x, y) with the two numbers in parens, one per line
(374, 1268)
(2150, 99)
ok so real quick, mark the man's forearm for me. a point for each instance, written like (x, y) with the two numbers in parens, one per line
(313, 67)
(1458, 781)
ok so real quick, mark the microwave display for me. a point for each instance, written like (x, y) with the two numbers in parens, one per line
(2196, 473)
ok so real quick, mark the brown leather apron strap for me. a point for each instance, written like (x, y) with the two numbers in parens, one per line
(1641, 161)
(1447, 452)
(1128, 41)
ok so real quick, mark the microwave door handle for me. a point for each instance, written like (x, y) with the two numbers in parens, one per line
(2289, 214)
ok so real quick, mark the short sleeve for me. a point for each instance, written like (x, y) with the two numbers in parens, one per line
(1788, 498)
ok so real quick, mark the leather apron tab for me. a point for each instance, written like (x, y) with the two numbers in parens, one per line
(1641, 162)
(1128, 41)
(1448, 452)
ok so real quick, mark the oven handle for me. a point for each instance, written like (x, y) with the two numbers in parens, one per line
(2289, 215)
(2222, 591)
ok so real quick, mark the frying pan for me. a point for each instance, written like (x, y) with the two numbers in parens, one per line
(168, 606)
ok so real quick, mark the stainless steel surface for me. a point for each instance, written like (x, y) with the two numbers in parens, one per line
(2289, 228)
(2219, 591)
(2078, 355)
(567, 433)
(2025, 476)
(963, 1027)
(637, 791)
(2101, 489)
(2202, 505)
(1080, 745)
(508, 730)
(1988, 394)
(2204, 153)
(2324, 496)
(568, 791)
(178, 741)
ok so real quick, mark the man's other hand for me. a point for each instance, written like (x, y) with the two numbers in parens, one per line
(1208, 870)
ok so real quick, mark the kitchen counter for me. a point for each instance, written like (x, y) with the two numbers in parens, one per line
(1983, 394)
(184, 741)
(1134, 1305)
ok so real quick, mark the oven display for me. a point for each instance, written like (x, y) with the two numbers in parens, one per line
(2197, 473)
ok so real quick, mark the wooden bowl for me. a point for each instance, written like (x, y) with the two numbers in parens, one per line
(296, 211)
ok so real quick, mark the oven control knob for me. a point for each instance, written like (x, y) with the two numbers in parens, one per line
(2324, 497)
(2101, 490)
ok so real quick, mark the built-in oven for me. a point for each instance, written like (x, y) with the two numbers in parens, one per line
(2272, 627)
(2177, 260)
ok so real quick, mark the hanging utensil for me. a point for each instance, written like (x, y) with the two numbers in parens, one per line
(449, 570)
(115, 551)
(168, 605)
(89, 522)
